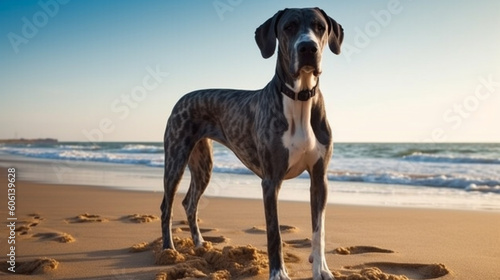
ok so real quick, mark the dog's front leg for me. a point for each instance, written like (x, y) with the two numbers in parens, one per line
(319, 193)
(277, 270)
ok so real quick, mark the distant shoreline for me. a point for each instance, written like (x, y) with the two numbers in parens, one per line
(29, 141)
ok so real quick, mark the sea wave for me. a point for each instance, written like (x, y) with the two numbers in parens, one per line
(79, 147)
(421, 157)
(467, 183)
(476, 173)
(140, 148)
(85, 155)
(483, 188)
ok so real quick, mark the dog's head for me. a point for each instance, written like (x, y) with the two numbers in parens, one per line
(302, 34)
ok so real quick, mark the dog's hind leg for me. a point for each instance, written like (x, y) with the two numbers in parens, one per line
(200, 165)
(177, 151)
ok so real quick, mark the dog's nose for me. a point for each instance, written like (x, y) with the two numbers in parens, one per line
(308, 47)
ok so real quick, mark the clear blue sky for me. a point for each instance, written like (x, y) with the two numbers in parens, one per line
(410, 71)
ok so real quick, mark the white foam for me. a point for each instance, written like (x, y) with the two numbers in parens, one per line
(143, 178)
(463, 169)
(421, 157)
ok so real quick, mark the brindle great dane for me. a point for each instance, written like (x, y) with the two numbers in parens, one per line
(277, 132)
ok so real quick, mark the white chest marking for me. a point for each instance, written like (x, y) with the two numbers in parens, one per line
(304, 150)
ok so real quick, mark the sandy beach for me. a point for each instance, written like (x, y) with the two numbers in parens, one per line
(83, 232)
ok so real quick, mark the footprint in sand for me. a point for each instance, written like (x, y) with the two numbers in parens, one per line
(262, 229)
(394, 271)
(37, 266)
(145, 246)
(216, 239)
(298, 243)
(140, 247)
(256, 230)
(55, 236)
(186, 229)
(23, 230)
(288, 229)
(138, 218)
(354, 250)
(35, 216)
(290, 258)
(26, 225)
(185, 222)
(86, 218)
(33, 221)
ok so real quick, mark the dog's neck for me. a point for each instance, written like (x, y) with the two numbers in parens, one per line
(300, 88)
(294, 94)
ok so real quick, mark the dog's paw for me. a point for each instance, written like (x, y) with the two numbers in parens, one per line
(279, 275)
(320, 269)
(323, 275)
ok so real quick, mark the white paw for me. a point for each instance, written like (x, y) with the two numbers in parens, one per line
(320, 269)
(323, 275)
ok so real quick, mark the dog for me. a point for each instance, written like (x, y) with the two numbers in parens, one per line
(278, 132)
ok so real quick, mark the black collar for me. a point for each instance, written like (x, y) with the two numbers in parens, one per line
(303, 95)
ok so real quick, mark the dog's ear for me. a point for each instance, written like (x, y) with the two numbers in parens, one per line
(335, 33)
(265, 35)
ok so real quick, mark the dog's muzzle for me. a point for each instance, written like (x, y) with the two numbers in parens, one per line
(308, 58)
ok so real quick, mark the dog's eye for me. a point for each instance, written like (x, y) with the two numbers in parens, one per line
(320, 27)
(290, 26)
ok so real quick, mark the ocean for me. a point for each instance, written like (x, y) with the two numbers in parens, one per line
(445, 175)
